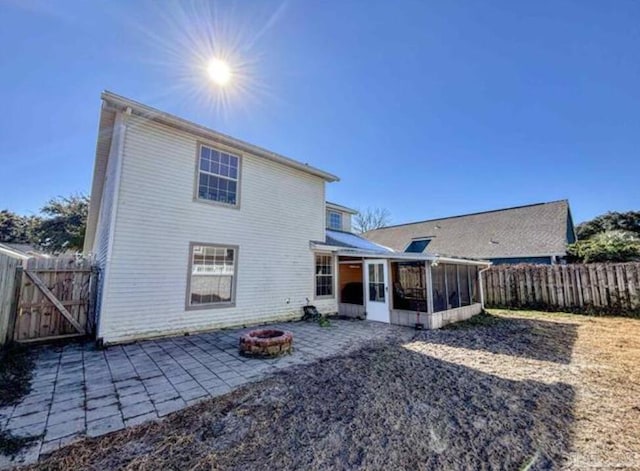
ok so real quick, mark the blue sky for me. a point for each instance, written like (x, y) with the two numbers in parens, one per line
(426, 108)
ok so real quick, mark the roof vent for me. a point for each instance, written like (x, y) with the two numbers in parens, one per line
(494, 241)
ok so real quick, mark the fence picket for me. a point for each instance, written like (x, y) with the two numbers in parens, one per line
(608, 288)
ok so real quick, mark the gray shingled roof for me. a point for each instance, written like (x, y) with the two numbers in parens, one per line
(524, 231)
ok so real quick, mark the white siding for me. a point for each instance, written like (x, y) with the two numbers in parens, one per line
(281, 211)
(105, 223)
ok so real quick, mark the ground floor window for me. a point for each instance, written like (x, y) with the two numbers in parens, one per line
(324, 275)
(454, 286)
(212, 272)
(409, 286)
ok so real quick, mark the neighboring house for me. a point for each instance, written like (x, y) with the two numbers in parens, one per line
(21, 251)
(195, 230)
(535, 233)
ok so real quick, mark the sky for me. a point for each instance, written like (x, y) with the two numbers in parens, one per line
(429, 109)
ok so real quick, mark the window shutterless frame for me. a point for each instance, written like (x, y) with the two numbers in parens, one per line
(332, 264)
(196, 184)
(334, 217)
(234, 282)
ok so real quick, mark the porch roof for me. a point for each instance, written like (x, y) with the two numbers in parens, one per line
(352, 245)
(400, 256)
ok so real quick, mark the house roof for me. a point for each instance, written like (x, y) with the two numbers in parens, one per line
(339, 207)
(524, 231)
(348, 240)
(22, 251)
(113, 104)
(121, 103)
(349, 244)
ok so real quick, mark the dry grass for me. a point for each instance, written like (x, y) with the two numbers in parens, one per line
(514, 391)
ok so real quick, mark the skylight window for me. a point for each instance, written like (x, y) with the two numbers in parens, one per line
(417, 246)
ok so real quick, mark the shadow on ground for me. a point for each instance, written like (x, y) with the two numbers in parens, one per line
(382, 407)
(520, 337)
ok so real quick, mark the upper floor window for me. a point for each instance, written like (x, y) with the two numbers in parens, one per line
(218, 176)
(335, 220)
(417, 245)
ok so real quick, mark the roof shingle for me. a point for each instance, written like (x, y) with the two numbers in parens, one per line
(524, 231)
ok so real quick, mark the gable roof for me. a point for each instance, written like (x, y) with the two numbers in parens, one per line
(113, 101)
(113, 104)
(534, 230)
(339, 207)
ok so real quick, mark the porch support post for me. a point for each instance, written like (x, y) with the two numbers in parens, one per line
(429, 284)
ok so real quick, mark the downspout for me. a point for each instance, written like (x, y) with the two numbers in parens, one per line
(481, 287)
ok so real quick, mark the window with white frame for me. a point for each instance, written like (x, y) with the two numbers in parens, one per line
(335, 220)
(218, 176)
(212, 272)
(324, 275)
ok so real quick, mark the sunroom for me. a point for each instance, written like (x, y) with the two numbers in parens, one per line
(411, 289)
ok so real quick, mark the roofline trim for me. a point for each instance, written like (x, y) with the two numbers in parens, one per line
(140, 109)
(340, 207)
(473, 214)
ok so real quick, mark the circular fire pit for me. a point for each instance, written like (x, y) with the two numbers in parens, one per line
(266, 343)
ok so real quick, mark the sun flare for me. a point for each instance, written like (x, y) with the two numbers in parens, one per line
(219, 71)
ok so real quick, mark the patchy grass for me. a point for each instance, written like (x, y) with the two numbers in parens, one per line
(484, 319)
(519, 391)
(16, 365)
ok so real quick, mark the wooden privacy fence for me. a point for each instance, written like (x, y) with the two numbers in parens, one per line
(54, 299)
(8, 271)
(594, 288)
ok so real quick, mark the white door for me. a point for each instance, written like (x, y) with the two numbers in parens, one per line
(376, 290)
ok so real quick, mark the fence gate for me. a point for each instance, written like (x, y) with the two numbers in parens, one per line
(55, 299)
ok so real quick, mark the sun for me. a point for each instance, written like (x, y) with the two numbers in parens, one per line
(219, 71)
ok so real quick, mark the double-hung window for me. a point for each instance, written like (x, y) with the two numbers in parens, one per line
(335, 220)
(218, 176)
(324, 275)
(212, 273)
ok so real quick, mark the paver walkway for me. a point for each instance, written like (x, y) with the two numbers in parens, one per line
(78, 390)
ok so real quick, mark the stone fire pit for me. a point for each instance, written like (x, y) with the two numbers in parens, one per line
(266, 343)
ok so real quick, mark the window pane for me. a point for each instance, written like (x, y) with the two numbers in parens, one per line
(463, 276)
(376, 282)
(417, 246)
(452, 287)
(438, 288)
(218, 176)
(409, 291)
(212, 272)
(473, 281)
(324, 275)
(335, 220)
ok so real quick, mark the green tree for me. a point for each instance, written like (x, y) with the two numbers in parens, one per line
(16, 228)
(608, 246)
(611, 221)
(64, 224)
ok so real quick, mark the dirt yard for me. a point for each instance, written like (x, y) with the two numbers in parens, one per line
(512, 390)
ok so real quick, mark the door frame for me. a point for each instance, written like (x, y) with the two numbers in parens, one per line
(387, 302)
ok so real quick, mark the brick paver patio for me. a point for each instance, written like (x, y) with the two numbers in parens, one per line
(78, 390)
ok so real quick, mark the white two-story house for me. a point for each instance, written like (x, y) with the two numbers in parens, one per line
(194, 230)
